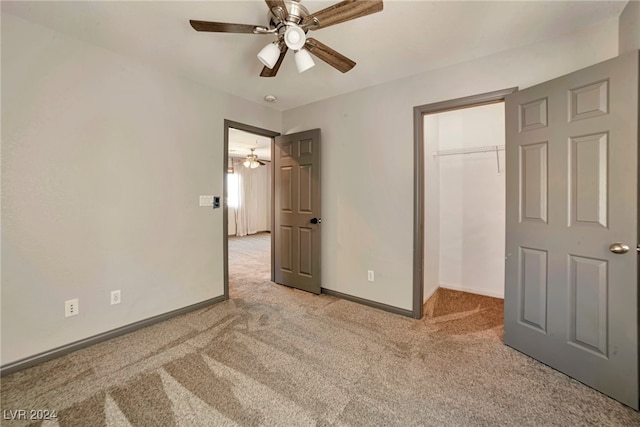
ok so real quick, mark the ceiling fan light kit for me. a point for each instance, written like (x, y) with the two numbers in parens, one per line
(269, 55)
(294, 37)
(252, 164)
(252, 160)
(304, 61)
(289, 21)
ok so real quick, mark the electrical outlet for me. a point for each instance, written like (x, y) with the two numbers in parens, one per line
(370, 276)
(71, 307)
(115, 297)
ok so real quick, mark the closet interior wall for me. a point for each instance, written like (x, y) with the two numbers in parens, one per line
(465, 201)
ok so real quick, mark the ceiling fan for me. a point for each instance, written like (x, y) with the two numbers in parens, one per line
(290, 21)
(252, 160)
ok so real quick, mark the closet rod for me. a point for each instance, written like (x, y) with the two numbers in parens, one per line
(485, 149)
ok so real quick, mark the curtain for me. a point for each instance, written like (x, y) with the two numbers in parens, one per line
(250, 192)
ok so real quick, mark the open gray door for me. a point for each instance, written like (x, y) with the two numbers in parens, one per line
(296, 250)
(571, 285)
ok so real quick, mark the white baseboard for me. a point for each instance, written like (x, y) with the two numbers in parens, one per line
(472, 290)
(428, 295)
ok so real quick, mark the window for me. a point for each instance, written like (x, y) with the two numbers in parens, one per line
(233, 190)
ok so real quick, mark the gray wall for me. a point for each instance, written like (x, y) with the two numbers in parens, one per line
(629, 30)
(103, 160)
(367, 156)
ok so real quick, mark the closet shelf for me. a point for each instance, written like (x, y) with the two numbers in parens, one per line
(456, 151)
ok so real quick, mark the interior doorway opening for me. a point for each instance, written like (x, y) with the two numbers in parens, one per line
(248, 183)
(427, 213)
(248, 196)
(465, 200)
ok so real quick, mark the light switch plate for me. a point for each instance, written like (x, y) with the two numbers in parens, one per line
(206, 201)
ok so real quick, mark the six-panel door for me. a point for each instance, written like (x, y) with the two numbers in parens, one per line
(297, 210)
(572, 191)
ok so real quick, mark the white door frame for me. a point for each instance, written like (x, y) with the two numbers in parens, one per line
(418, 179)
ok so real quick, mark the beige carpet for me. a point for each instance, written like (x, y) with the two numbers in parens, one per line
(275, 356)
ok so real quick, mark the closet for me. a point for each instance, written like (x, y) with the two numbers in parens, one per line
(465, 200)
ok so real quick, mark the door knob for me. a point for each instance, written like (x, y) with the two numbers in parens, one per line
(315, 221)
(619, 248)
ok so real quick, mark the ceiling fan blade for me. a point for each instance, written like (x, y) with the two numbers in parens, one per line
(278, 3)
(341, 12)
(328, 55)
(222, 27)
(271, 72)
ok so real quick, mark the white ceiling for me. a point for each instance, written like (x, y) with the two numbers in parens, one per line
(406, 38)
(241, 143)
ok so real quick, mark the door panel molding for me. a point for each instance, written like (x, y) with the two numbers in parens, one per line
(534, 165)
(588, 289)
(533, 115)
(589, 101)
(532, 288)
(588, 180)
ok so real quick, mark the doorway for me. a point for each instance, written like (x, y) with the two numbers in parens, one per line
(465, 200)
(427, 181)
(248, 198)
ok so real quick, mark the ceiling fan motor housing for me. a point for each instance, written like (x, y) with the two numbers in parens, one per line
(296, 11)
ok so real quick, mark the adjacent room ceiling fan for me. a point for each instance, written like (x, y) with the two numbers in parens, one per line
(290, 21)
(252, 160)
